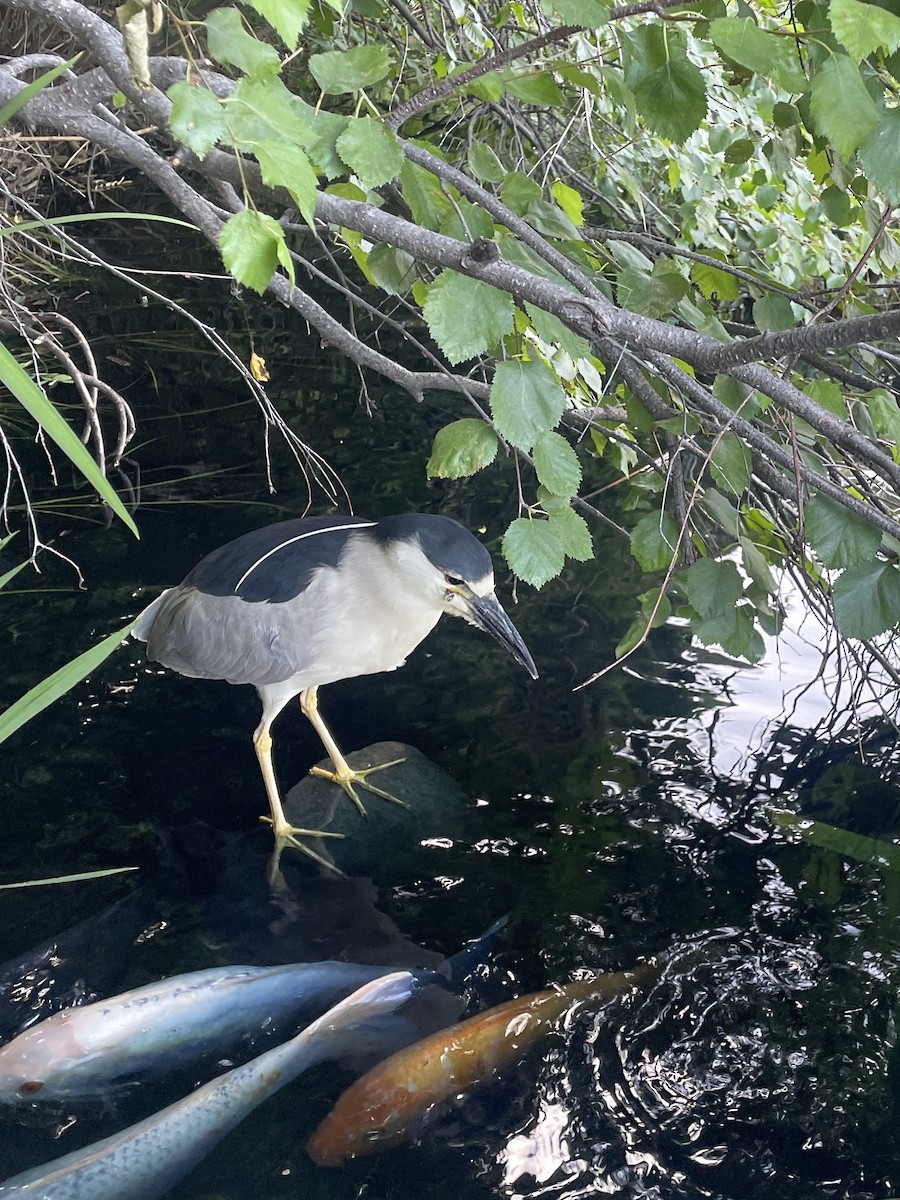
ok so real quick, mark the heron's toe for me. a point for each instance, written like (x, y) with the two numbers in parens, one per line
(290, 835)
(348, 778)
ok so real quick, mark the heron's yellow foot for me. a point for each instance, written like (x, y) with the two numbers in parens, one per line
(345, 777)
(289, 835)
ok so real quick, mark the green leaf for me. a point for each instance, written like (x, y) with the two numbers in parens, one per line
(669, 90)
(550, 220)
(837, 207)
(590, 14)
(885, 414)
(197, 117)
(772, 313)
(526, 401)
(767, 53)
(371, 151)
(541, 89)
(736, 396)
(283, 164)
(484, 163)
(518, 191)
(730, 464)
(840, 538)
(740, 151)
(551, 330)
(534, 551)
(569, 201)
(572, 531)
(252, 245)
(653, 541)
(465, 316)
(880, 155)
(703, 319)
(393, 270)
(840, 107)
(714, 282)
(557, 465)
(757, 568)
(655, 611)
(785, 116)
(230, 42)
(633, 636)
(57, 684)
(287, 18)
(422, 193)
(655, 608)
(340, 71)
(827, 394)
(488, 88)
(714, 586)
(864, 28)
(651, 295)
(259, 109)
(867, 599)
(721, 510)
(36, 404)
(461, 449)
(325, 128)
(733, 630)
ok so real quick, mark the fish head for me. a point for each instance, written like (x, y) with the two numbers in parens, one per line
(34, 1064)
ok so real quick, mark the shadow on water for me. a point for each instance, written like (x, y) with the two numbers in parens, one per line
(601, 821)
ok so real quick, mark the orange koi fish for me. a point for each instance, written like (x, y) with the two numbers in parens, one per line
(393, 1100)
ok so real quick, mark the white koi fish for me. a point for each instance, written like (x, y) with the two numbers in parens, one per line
(81, 1052)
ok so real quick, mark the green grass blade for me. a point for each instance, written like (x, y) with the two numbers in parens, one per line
(44, 693)
(76, 218)
(8, 575)
(77, 878)
(36, 403)
(859, 846)
(31, 90)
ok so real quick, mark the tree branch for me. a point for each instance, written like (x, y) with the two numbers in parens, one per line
(829, 335)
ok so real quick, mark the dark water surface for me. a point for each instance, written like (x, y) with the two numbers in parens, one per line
(610, 824)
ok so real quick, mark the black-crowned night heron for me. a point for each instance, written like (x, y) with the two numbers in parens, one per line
(303, 603)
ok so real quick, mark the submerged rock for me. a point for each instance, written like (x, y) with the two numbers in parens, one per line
(387, 841)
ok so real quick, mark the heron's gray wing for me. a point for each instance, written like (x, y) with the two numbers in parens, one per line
(224, 637)
(251, 611)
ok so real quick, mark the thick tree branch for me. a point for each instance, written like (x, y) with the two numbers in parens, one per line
(827, 335)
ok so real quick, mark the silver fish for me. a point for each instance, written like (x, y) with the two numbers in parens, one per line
(80, 1052)
(144, 1161)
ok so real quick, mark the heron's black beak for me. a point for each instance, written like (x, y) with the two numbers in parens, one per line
(487, 614)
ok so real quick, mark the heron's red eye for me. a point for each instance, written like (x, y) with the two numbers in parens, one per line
(453, 580)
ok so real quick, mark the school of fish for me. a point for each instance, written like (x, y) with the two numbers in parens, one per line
(84, 1051)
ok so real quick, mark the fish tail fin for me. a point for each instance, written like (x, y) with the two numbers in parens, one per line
(379, 997)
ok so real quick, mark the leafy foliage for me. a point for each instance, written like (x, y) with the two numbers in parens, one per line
(653, 246)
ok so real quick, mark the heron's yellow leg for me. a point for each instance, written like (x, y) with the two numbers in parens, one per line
(343, 774)
(286, 834)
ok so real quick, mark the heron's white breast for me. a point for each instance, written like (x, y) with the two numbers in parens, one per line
(360, 619)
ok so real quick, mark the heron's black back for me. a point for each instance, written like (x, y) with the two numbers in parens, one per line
(276, 563)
